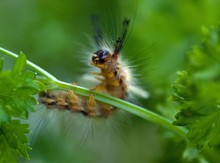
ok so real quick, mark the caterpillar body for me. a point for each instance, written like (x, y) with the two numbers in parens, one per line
(113, 80)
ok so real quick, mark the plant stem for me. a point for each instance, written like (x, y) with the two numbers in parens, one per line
(30, 65)
(118, 103)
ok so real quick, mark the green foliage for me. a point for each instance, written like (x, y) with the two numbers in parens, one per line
(196, 91)
(17, 88)
(13, 140)
(50, 32)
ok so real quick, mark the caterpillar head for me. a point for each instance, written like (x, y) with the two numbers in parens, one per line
(101, 57)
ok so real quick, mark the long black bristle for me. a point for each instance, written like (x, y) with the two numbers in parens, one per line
(120, 41)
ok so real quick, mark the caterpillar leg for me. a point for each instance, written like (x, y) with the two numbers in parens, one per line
(97, 73)
(107, 110)
(92, 106)
(99, 109)
(73, 101)
(102, 110)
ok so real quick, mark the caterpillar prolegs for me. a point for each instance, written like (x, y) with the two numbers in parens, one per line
(113, 80)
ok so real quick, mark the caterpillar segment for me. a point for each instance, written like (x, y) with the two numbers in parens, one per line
(67, 100)
(112, 78)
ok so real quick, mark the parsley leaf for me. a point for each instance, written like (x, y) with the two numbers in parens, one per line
(17, 87)
(16, 90)
(196, 91)
(13, 139)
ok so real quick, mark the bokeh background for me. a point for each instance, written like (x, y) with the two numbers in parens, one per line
(53, 35)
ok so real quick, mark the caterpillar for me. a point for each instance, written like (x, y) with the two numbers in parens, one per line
(113, 77)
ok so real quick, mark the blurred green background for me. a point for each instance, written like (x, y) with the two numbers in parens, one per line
(53, 34)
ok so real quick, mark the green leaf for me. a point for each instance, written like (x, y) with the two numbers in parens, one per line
(13, 139)
(196, 91)
(200, 135)
(17, 89)
(19, 65)
(6, 153)
(3, 115)
(193, 155)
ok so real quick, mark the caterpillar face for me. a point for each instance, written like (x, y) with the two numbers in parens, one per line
(100, 57)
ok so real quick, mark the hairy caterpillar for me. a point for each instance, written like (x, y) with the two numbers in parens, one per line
(114, 79)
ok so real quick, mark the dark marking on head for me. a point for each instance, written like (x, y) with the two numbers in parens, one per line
(99, 57)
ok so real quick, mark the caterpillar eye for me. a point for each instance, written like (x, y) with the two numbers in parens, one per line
(100, 56)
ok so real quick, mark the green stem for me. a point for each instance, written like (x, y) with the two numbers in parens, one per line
(134, 109)
(30, 65)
